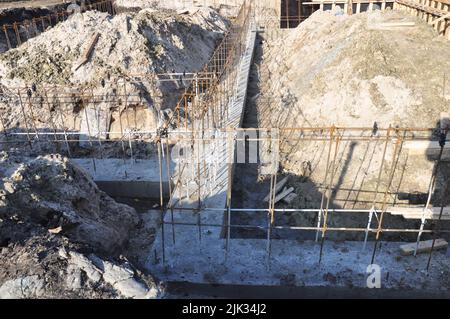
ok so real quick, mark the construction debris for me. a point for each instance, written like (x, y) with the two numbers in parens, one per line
(424, 247)
(290, 198)
(283, 194)
(278, 188)
(420, 212)
(89, 51)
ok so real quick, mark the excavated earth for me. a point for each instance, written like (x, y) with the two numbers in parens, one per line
(60, 236)
(121, 75)
(349, 71)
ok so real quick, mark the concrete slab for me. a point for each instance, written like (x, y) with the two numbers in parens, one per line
(127, 178)
(428, 149)
(195, 250)
(296, 264)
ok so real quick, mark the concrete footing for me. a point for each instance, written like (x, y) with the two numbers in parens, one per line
(127, 178)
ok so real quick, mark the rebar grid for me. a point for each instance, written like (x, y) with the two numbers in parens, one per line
(199, 119)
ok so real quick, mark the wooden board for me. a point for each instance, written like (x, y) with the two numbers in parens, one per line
(418, 213)
(284, 194)
(87, 54)
(424, 247)
(278, 188)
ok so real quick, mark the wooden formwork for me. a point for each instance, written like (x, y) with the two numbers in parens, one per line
(351, 6)
(434, 12)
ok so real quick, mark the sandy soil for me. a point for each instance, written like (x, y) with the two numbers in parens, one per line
(345, 71)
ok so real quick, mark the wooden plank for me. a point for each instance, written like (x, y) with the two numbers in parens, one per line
(443, 1)
(422, 8)
(424, 247)
(440, 26)
(428, 149)
(284, 194)
(396, 24)
(435, 22)
(358, 7)
(290, 198)
(349, 7)
(278, 188)
(87, 54)
(418, 212)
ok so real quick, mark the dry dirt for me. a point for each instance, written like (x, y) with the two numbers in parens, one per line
(132, 45)
(348, 71)
(344, 70)
(60, 236)
(226, 10)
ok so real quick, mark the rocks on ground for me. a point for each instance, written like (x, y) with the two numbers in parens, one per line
(60, 236)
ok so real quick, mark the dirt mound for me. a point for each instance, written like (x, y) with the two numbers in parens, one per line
(355, 70)
(36, 264)
(61, 237)
(134, 47)
(352, 71)
(52, 192)
(135, 43)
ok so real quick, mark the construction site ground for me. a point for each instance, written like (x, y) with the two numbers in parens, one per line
(69, 227)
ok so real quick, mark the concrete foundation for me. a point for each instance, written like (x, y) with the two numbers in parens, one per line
(192, 249)
(127, 178)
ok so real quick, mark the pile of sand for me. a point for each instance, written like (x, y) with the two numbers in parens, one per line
(353, 71)
(54, 193)
(135, 45)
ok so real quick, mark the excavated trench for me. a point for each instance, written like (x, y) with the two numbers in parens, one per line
(249, 190)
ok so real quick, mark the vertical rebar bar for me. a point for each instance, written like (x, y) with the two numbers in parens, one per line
(322, 202)
(18, 39)
(161, 200)
(25, 119)
(6, 36)
(169, 178)
(377, 187)
(431, 189)
(436, 232)
(396, 153)
(330, 192)
(60, 111)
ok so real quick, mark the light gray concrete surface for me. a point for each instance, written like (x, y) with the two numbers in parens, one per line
(200, 255)
(291, 263)
(127, 178)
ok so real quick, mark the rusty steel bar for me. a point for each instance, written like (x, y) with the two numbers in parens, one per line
(329, 191)
(395, 154)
